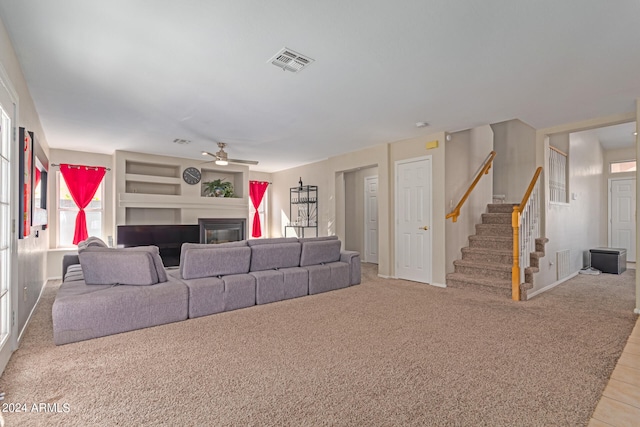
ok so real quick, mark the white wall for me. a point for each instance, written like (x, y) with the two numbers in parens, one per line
(515, 164)
(328, 175)
(582, 223)
(31, 251)
(466, 153)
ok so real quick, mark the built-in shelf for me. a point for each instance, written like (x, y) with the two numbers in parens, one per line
(134, 177)
(152, 169)
(152, 178)
(150, 190)
(235, 178)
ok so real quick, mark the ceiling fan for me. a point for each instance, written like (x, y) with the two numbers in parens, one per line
(222, 159)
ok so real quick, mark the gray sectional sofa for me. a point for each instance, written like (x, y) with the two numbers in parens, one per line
(107, 291)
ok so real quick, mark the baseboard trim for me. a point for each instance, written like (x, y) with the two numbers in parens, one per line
(384, 276)
(637, 311)
(438, 285)
(26, 324)
(551, 286)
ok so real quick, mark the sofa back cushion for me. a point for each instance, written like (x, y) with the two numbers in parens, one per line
(115, 266)
(255, 242)
(320, 252)
(215, 261)
(91, 242)
(186, 246)
(275, 255)
(317, 239)
(154, 251)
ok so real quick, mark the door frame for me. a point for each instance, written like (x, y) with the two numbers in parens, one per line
(12, 291)
(610, 199)
(366, 220)
(397, 163)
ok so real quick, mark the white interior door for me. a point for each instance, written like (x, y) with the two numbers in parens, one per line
(6, 207)
(622, 221)
(371, 219)
(413, 219)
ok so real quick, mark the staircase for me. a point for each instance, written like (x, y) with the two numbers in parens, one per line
(486, 263)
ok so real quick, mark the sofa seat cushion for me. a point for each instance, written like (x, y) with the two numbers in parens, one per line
(328, 277)
(210, 295)
(278, 285)
(82, 311)
(319, 252)
(275, 255)
(239, 291)
(206, 296)
(353, 259)
(215, 261)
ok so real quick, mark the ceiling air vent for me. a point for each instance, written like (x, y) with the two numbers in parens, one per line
(289, 60)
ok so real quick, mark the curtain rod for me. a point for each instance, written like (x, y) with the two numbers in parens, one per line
(78, 166)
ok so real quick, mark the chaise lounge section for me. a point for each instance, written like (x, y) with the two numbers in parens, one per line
(108, 291)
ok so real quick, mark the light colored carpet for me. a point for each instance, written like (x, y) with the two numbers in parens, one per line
(387, 352)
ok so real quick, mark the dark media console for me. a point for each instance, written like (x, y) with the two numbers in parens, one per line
(168, 238)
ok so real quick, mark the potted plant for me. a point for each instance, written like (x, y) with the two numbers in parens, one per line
(218, 188)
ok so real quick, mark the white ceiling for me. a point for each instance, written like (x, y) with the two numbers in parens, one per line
(616, 137)
(136, 74)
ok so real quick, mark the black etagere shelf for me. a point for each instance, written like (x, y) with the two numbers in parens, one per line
(303, 210)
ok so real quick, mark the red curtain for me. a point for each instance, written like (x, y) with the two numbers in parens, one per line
(256, 193)
(83, 182)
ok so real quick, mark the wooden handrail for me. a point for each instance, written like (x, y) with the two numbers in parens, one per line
(515, 223)
(455, 213)
(525, 199)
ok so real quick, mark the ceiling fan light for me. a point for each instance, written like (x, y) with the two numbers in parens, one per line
(220, 162)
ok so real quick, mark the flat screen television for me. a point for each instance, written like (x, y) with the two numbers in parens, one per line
(168, 238)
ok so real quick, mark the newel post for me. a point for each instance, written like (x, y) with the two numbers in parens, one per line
(515, 267)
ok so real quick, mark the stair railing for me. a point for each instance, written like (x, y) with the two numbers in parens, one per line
(525, 221)
(455, 213)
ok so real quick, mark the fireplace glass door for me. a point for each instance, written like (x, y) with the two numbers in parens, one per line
(221, 230)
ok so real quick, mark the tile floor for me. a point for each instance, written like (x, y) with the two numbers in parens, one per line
(620, 402)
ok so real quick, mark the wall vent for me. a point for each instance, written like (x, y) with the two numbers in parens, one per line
(563, 263)
(289, 60)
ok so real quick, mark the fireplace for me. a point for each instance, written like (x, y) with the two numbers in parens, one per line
(221, 230)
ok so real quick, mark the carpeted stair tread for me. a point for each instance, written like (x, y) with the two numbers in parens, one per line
(488, 270)
(495, 286)
(493, 229)
(502, 256)
(487, 265)
(500, 207)
(491, 242)
(496, 218)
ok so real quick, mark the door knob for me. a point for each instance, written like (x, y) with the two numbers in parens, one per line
(425, 228)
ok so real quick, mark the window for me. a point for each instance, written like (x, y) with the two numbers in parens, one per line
(67, 212)
(558, 176)
(625, 166)
(261, 211)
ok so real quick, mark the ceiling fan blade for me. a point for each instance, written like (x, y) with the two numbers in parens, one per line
(244, 162)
